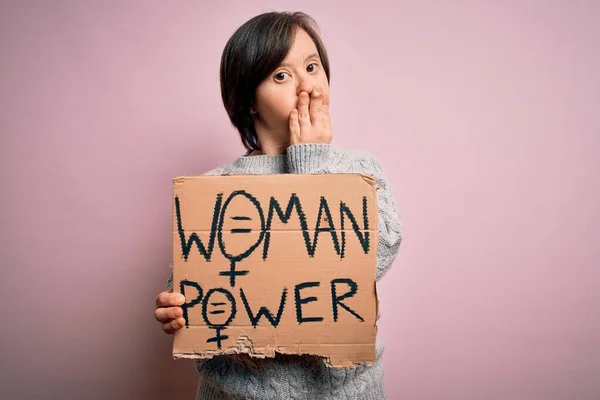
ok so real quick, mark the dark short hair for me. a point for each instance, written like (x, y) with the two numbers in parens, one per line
(253, 52)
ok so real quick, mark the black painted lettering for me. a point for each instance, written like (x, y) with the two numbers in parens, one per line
(222, 326)
(188, 305)
(363, 238)
(232, 273)
(299, 301)
(337, 300)
(186, 244)
(274, 206)
(264, 310)
(323, 206)
(229, 298)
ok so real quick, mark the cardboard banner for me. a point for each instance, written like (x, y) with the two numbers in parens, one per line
(276, 263)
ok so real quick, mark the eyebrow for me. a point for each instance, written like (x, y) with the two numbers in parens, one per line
(313, 55)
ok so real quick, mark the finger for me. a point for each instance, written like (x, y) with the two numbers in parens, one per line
(166, 299)
(174, 325)
(316, 104)
(327, 128)
(326, 120)
(294, 127)
(325, 106)
(167, 314)
(303, 112)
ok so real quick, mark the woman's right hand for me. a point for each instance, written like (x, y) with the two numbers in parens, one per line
(169, 312)
(310, 121)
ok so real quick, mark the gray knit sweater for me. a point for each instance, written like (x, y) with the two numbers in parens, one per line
(305, 377)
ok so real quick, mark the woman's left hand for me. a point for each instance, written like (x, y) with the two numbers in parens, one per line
(310, 123)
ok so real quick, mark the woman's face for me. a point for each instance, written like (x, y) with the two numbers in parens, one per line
(277, 95)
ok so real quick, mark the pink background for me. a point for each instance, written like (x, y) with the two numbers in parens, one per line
(484, 114)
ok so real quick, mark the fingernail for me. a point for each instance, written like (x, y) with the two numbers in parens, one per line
(180, 299)
(317, 91)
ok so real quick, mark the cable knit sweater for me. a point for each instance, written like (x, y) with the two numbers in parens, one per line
(305, 377)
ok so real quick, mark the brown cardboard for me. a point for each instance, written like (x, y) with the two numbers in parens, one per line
(226, 208)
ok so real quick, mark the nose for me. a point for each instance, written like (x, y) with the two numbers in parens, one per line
(306, 84)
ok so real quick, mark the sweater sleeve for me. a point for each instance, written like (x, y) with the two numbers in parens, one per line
(308, 158)
(390, 226)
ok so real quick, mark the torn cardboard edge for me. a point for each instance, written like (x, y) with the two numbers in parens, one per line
(245, 346)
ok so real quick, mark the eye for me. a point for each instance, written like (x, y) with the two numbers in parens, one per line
(314, 67)
(280, 76)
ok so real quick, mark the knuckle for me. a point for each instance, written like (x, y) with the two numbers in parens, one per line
(175, 299)
(170, 299)
(175, 324)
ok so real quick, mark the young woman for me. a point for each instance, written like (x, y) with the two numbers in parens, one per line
(275, 88)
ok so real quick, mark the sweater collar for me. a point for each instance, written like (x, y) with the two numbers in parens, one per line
(258, 165)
